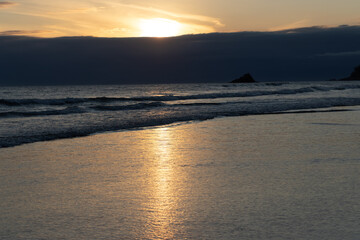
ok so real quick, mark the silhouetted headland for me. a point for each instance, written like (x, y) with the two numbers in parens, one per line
(355, 75)
(246, 78)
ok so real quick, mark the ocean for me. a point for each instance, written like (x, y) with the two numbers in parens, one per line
(271, 161)
(32, 114)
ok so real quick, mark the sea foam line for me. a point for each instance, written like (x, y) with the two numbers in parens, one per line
(166, 98)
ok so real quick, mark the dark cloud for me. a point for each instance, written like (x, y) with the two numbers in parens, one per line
(7, 4)
(21, 32)
(339, 54)
(289, 55)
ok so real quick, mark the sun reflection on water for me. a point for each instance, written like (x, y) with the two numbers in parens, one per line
(163, 200)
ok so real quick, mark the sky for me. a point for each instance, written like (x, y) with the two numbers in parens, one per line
(303, 54)
(162, 18)
(274, 40)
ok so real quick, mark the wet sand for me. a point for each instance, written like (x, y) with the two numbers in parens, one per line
(286, 176)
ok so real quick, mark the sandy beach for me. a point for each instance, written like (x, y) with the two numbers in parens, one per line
(280, 176)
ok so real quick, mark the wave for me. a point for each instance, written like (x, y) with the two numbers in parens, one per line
(129, 107)
(143, 106)
(60, 101)
(76, 110)
(51, 129)
(109, 108)
(68, 110)
(167, 98)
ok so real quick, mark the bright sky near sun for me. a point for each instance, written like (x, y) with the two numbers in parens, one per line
(162, 18)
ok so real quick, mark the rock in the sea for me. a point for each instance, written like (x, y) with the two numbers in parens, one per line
(355, 75)
(247, 78)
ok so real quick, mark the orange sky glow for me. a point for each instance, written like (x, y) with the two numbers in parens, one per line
(140, 18)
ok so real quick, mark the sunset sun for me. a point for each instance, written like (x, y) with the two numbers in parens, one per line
(159, 27)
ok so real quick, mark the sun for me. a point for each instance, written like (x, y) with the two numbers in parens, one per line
(159, 27)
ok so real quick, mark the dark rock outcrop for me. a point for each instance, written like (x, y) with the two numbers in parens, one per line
(355, 75)
(247, 78)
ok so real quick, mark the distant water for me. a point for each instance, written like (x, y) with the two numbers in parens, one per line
(31, 114)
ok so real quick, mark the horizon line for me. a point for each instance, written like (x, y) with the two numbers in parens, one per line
(289, 30)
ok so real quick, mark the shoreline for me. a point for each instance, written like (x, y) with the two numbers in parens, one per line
(297, 111)
(253, 177)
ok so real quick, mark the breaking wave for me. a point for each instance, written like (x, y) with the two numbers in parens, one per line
(41, 117)
(166, 98)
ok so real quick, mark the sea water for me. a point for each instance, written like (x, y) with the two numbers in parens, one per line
(275, 176)
(31, 114)
(286, 168)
